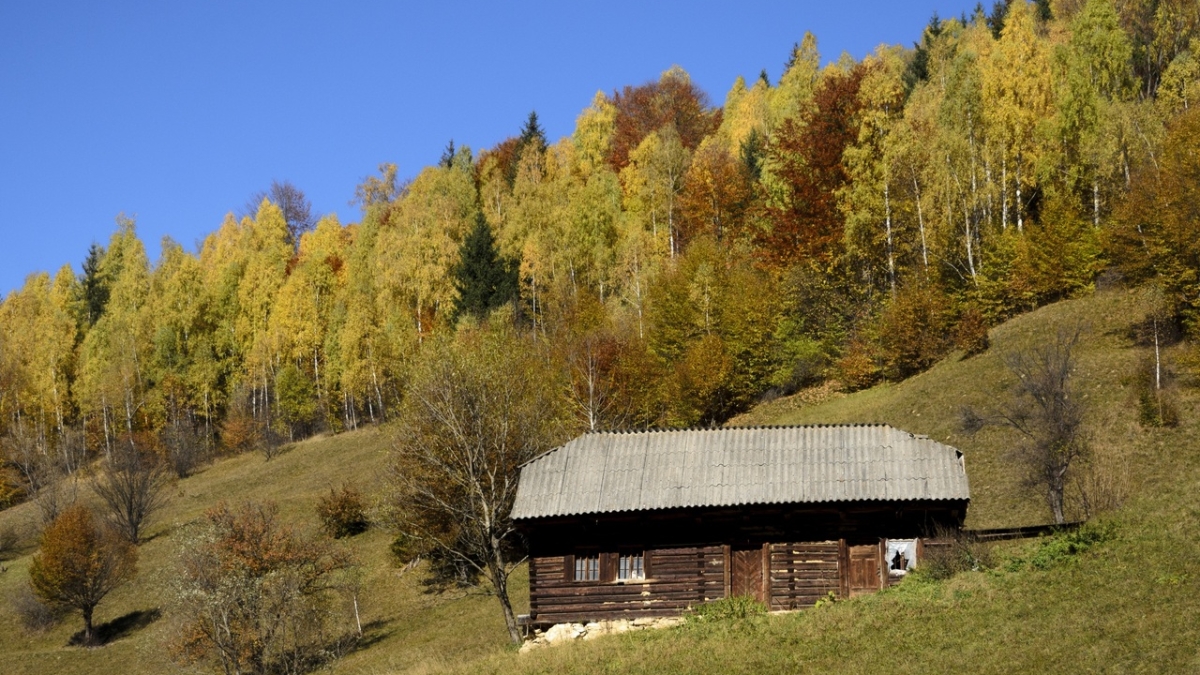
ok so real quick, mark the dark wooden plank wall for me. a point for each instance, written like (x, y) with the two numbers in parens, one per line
(802, 574)
(679, 578)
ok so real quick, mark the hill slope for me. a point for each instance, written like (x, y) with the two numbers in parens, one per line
(406, 627)
(1128, 604)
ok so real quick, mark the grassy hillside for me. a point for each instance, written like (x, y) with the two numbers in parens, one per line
(1129, 604)
(407, 628)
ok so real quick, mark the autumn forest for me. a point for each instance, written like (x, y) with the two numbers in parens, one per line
(671, 263)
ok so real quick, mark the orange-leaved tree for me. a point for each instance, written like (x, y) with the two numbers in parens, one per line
(79, 563)
(258, 596)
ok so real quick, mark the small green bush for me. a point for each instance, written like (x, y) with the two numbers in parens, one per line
(342, 512)
(406, 548)
(1157, 406)
(1060, 547)
(737, 608)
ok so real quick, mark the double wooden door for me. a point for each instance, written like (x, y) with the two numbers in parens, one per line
(746, 572)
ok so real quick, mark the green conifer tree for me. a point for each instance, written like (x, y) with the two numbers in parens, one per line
(532, 133)
(95, 284)
(484, 280)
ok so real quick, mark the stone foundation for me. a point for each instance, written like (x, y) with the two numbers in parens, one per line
(565, 632)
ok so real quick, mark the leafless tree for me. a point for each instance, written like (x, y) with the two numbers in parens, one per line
(296, 207)
(478, 410)
(132, 485)
(185, 448)
(593, 383)
(1046, 414)
(47, 478)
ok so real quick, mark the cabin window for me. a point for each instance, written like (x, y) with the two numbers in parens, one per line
(587, 567)
(901, 556)
(632, 566)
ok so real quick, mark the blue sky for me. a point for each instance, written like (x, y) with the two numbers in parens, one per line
(176, 112)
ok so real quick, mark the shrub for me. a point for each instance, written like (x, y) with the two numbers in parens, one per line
(255, 596)
(1103, 484)
(35, 615)
(1060, 547)
(184, 449)
(342, 512)
(971, 333)
(737, 608)
(239, 432)
(1155, 396)
(912, 331)
(9, 538)
(406, 549)
(858, 368)
(12, 491)
(803, 363)
(949, 552)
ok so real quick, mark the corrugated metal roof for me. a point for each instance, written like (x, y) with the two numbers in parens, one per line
(603, 472)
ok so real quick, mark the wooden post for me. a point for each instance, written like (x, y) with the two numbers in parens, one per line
(843, 568)
(728, 563)
(883, 565)
(766, 575)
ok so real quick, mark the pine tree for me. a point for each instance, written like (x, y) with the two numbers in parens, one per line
(447, 160)
(531, 133)
(918, 68)
(95, 284)
(483, 279)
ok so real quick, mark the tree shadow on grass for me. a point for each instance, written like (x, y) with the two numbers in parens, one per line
(373, 633)
(118, 628)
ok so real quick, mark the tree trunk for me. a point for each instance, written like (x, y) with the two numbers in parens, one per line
(921, 224)
(1018, 207)
(500, 585)
(89, 634)
(1055, 497)
(891, 258)
(1004, 193)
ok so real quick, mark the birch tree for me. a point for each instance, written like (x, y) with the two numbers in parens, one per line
(477, 410)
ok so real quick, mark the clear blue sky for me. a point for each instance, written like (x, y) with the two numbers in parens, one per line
(176, 112)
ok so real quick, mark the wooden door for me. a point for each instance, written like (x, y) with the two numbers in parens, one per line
(864, 569)
(746, 572)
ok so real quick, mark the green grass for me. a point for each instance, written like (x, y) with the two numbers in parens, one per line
(1128, 601)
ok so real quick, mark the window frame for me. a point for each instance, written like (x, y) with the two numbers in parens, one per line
(592, 566)
(587, 563)
(636, 562)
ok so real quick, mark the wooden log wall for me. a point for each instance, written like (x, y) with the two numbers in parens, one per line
(678, 578)
(802, 574)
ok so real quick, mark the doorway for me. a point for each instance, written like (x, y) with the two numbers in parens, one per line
(746, 572)
(864, 570)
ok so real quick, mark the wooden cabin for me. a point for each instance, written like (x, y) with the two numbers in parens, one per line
(650, 523)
